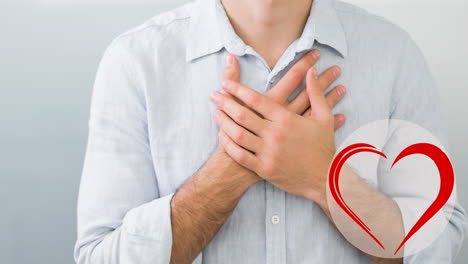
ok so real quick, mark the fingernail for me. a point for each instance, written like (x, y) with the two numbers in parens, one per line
(316, 54)
(341, 119)
(313, 71)
(229, 60)
(215, 96)
(341, 91)
(336, 72)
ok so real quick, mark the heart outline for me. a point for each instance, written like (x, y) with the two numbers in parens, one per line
(444, 166)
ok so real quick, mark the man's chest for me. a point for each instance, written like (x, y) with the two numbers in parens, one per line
(182, 131)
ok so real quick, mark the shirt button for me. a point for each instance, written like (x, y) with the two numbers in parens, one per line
(275, 219)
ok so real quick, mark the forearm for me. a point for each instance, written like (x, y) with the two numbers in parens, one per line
(378, 211)
(201, 205)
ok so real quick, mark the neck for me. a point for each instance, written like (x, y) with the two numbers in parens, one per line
(268, 26)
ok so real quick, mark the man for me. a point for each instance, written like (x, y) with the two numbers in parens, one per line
(158, 188)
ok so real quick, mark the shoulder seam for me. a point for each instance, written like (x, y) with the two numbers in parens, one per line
(353, 9)
(154, 23)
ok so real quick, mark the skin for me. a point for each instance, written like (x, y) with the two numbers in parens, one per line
(295, 162)
(268, 26)
(202, 204)
(298, 162)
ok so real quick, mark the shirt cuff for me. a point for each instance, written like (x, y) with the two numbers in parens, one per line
(147, 232)
(423, 247)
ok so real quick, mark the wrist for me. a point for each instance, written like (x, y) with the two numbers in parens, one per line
(319, 196)
(239, 174)
(224, 176)
(317, 189)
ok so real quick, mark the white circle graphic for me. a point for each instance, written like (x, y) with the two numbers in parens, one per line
(387, 201)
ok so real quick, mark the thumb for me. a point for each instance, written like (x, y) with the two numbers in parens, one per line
(318, 103)
(231, 69)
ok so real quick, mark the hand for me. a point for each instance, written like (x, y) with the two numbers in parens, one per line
(282, 91)
(291, 151)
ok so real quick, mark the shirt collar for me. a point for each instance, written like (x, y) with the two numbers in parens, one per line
(210, 30)
(324, 26)
(204, 33)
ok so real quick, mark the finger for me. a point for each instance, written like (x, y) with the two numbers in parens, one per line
(254, 100)
(340, 119)
(335, 95)
(240, 114)
(328, 77)
(299, 104)
(231, 68)
(293, 78)
(237, 153)
(238, 134)
(319, 106)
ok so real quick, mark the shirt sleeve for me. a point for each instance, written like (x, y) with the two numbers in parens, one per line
(121, 216)
(415, 99)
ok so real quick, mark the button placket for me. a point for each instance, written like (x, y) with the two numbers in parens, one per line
(275, 219)
(275, 225)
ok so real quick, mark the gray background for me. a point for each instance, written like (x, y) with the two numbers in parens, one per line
(49, 51)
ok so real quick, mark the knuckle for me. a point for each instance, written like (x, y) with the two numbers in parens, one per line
(278, 137)
(222, 121)
(254, 99)
(286, 121)
(238, 136)
(221, 103)
(228, 146)
(296, 75)
(267, 170)
(242, 158)
(234, 87)
(241, 116)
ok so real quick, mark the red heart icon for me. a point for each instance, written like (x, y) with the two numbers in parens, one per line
(440, 159)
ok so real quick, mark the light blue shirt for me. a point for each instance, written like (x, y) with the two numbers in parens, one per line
(151, 129)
